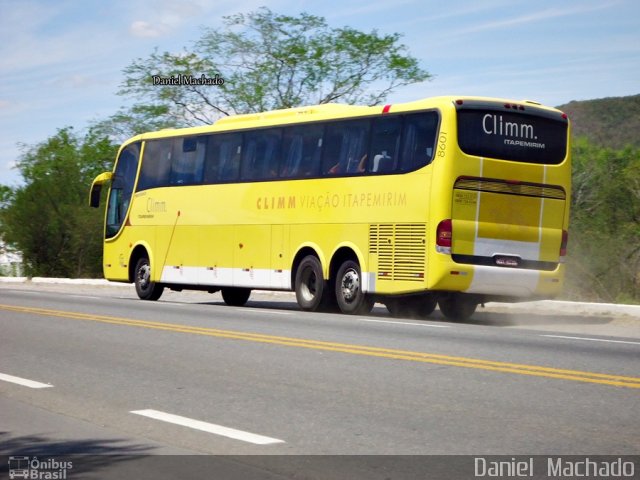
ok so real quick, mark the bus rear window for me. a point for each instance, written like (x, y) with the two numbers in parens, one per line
(516, 136)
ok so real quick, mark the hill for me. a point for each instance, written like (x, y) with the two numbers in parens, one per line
(609, 122)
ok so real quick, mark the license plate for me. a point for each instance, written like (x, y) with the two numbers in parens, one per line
(508, 261)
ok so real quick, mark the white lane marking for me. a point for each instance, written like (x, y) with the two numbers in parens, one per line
(45, 292)
(25, 382)
(265, 311)
(208, 427)
(591, 339)
(404, 323)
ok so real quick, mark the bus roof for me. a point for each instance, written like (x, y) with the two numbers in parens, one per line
(320, 112)
(327, 109)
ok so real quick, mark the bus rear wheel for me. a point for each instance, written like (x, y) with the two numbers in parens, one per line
(310, 286)
(351, 299)
(419, 307)
(235, 296)
(457, 307)
(145, 288)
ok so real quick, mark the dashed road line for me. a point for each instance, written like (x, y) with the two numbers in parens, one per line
(588, 339)
(394, 322)
(263, 311)
(25, 382)
(208, 427)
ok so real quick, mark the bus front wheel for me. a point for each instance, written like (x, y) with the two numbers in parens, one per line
(145, 288)
(351, 299)
(457, 307)
(235, 297)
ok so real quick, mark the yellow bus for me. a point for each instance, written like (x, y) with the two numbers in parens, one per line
(447, 201)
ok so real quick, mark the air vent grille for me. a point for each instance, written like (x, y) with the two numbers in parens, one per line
(400, 248)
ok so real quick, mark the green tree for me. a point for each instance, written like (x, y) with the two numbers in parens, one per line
(6, 193)
(267, 61)
(604, 241)
(47, 218)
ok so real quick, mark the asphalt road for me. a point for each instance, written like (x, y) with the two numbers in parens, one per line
(188, 375)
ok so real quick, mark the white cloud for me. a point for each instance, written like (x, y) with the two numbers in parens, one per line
(547, 14)
(368, 8)
(176, 13)
(142, 29)
(167, 17)
(9, 153)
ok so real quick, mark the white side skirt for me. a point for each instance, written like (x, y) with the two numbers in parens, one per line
(231, 277)
(238, 277)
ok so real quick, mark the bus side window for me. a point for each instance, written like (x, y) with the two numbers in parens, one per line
(223, 158)
(292, 144)
(332, 148)
(419, 140)
(261, 154)
(302, 147)
(346, 146)
(385, 144)
(212, 160)
(200, 155)
(156, 163)
(188, 160)
(312, 151)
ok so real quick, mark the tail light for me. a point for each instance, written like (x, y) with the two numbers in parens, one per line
(563, 245)
(444, 236)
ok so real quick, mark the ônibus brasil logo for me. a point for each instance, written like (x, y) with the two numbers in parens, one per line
(32, 468)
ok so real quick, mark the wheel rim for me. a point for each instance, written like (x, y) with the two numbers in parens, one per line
(309, 284)
(144, 276)
(350, 285)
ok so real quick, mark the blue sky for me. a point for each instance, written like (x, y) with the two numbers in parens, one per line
(62, 61)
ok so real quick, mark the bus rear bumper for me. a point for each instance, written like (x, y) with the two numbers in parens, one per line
(502, 281)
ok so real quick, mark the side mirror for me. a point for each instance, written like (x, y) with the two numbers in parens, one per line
(96, 188)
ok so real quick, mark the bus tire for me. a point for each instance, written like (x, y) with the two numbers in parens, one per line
(457, 307)
(426, 304)
(397, 309)
(310, 285)
(235, 296)
(351, 299)
(145, 288)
